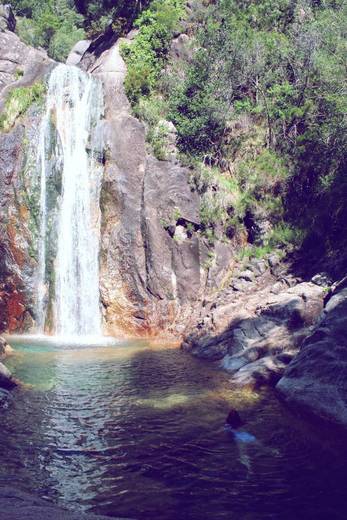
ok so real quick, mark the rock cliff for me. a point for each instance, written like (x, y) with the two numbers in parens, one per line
(20, 66)
(154, 262)
(153, 277)
(316, 379)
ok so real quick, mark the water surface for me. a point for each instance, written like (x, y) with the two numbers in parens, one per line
(137, 430)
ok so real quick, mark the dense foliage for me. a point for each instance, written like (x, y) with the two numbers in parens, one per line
(263, 100)
(146, 56)
(57, 25)
(18, 102)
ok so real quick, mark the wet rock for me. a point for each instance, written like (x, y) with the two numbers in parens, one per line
(211, 349)
(233, 363)
(151, 252)
(5, 348)
(7, 381)
(4, 397)
(21, 66)
(316, 379)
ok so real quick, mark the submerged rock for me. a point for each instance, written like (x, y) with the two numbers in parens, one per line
(316, 379)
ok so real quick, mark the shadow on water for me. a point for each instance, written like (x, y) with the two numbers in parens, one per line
(138, 431)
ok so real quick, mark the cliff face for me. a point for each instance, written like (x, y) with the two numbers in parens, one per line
(21, 66)
(152, 255)
(155, 265)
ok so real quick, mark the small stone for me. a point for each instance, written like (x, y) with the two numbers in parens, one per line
(274, 260)
(277, 288)
(5, 349)
(322, 279)
(247, 275)
(240, 285)
(259, 267)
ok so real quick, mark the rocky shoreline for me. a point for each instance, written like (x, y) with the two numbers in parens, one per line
(269, 327)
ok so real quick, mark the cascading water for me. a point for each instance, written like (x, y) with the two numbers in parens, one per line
(70, 149)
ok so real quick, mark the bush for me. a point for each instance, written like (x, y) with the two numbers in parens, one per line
(63, 41)
(284, 235)
(146, 55)
(54, 25)
(19, 101)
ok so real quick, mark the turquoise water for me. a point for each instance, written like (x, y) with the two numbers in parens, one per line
(137, 430)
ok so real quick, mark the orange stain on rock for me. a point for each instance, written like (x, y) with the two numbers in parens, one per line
(15, 311)
(18, 255)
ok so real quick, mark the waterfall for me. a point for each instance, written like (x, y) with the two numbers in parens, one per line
(70, 148)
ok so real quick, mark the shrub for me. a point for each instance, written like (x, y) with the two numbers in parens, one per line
(19, 101)
(146, 55)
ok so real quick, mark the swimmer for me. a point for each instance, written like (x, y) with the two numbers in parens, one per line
(242, 438)
(233, 423)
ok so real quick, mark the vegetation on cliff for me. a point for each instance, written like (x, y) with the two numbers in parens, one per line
(256, 93)
(259, 105)
(18, 101)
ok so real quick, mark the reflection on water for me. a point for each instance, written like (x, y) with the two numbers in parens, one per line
(137, 430)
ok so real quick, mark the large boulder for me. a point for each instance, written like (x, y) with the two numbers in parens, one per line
(261, 331)
(21, 65)
(77, 52)
(316, 379)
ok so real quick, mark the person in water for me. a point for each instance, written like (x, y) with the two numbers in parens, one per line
(233, 423)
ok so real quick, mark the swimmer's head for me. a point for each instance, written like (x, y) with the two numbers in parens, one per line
(234, 420)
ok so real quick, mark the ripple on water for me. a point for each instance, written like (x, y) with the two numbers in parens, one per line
(138, 430)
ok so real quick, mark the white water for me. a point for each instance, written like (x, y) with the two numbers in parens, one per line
(69, 144)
